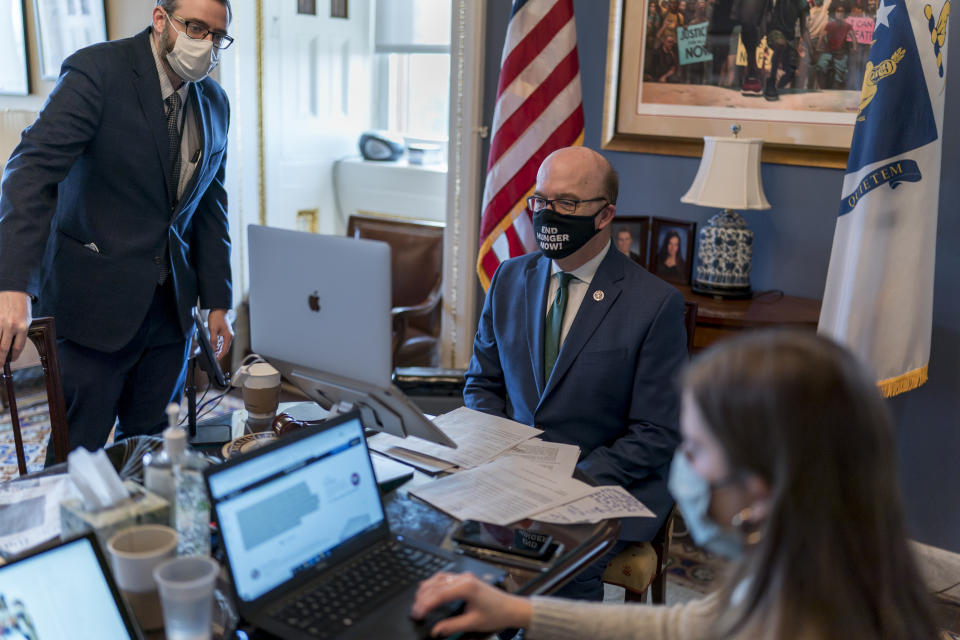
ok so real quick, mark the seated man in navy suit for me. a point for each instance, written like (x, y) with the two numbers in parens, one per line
(113, 219)
(582, 342)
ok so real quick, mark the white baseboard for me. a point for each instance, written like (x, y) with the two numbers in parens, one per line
(940, 569)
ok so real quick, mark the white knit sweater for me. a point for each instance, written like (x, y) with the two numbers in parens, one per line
(558, 619)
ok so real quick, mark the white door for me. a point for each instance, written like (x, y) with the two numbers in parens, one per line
(317, 100)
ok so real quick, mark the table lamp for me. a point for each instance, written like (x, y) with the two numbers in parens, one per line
(728, 177)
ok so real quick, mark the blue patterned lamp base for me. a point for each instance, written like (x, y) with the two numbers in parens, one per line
(724, 254)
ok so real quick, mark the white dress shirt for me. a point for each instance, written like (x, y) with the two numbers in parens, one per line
(577, 288)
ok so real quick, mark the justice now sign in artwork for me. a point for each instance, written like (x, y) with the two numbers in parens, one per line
(692, 44)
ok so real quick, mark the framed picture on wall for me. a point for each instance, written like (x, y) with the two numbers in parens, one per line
(672, 254)
(631, 236)
(63, 26)
(14, 72)
(677, 70)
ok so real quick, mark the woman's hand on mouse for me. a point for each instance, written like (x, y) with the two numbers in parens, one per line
(486, 608)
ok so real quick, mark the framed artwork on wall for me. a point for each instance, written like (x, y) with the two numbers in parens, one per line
(63, 26)
(631, 236)
(14, 72)
(671, 256)
(677, 71)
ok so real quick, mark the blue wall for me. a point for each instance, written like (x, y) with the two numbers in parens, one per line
(793, 241)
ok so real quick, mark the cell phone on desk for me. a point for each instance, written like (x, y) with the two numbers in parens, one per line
(504, 540)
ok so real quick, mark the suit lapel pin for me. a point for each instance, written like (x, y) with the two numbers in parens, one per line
(598, 295)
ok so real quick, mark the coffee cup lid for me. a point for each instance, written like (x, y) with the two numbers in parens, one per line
(262, 375)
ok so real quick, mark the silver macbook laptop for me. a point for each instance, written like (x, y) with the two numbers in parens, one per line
(320, 313)
(308, 544)
(65, 591)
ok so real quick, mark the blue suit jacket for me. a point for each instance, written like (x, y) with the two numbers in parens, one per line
(93, 168)
(613, 389)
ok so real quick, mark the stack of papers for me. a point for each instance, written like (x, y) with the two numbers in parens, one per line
(480, 438)
(554, 458)
(501, 492)
(30, 511)
(508, 474)
(602, 504)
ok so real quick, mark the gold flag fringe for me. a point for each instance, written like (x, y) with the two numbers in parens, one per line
(903, 383)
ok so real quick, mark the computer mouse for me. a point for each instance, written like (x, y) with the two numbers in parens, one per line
(435, 615)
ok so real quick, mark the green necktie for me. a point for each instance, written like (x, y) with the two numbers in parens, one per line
(554, 325)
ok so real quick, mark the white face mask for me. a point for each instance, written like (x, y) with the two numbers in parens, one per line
(192, 59)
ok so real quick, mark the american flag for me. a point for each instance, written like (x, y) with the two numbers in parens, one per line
(539, 110)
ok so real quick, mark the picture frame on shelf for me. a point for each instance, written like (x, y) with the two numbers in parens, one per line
(672, 245)
(63, 27)
(649, 108)
(15, 72)
(631, 236)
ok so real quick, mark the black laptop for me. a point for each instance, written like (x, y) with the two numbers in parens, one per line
(64, 591)
(308, 544)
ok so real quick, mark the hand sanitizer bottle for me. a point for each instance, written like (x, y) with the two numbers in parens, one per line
(158, 465)
(191, 512)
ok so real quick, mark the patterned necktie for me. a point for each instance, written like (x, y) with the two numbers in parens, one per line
(173, 156)
(173, 144)
(554, 325)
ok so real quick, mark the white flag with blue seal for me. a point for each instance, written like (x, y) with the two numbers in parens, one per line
(879, 294)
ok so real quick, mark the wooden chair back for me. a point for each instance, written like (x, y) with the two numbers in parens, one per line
(42, 335)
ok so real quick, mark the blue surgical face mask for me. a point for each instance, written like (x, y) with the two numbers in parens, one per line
(693, 494)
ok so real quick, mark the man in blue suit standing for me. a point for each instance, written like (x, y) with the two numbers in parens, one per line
(582, 342)
(113, 219)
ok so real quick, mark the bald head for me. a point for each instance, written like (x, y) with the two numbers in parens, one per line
(581, 169)
(581, 174)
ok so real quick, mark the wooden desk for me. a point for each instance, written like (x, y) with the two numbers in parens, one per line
(718, 319)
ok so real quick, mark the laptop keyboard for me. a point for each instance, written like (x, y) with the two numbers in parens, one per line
(356, 588)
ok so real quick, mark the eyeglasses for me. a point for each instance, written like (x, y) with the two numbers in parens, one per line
(565, 206)
(199, 31)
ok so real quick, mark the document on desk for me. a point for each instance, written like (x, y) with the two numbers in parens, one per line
(602, 503)
(480, 438)
(500, 492)
(30, 511)
(553, 457)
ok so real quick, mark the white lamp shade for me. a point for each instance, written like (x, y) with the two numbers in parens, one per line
(729, 175)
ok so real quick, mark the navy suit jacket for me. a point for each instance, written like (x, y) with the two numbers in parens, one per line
(93, 168)
(613, 389)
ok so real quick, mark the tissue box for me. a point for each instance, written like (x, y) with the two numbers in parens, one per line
(142, 507)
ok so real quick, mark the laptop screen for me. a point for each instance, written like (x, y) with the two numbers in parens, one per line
(59, 593)
(287, 509)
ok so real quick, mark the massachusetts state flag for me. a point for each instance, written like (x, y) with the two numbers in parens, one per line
(539, 110)
(879, 294)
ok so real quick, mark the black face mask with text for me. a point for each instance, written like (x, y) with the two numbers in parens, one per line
(560, 235)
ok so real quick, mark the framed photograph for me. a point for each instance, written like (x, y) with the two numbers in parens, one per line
(63, 26)
(631, 235)
(677, 71)
(14, 72)
(672, 255)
